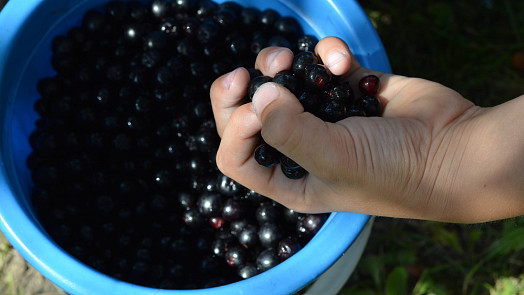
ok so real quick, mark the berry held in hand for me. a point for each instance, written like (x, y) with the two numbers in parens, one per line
(326, 96)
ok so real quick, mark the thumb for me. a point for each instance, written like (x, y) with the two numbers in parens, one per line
(295, 133)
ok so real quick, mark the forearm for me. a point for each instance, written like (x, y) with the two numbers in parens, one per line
(485, 170)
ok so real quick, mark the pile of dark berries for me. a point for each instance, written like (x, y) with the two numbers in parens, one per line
(123, 151)
(326, 96)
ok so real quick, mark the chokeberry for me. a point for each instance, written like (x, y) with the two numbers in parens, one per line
(266, 155)
(369, 85)
(267, 259)
(256, 83)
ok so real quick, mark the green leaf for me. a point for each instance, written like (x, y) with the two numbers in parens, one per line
(373, 266)
(397, 281)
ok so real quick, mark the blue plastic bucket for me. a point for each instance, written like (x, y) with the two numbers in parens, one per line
(26, 30)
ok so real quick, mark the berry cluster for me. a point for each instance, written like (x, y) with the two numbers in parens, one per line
(328, 97)
(123, 152)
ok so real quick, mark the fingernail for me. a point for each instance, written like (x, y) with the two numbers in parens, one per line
(335, 57)
(228, 80)
(264, 95)
(272, 57)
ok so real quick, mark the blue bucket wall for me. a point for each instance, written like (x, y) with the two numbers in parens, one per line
(26, 30)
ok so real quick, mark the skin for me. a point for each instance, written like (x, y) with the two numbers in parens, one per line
(433, 154)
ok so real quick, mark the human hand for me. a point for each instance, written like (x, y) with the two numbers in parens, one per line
(417, 161)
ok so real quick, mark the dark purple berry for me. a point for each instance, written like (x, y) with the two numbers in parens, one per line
(255, 83)
(160, 8)
(293, 173)
(217, 222)
(287, 248)
(190, 26)
(236, 257)
(228, 186)
(170, 27)
(266, 155)
(301, 61)
(248, 271)
(250, 17)
(156, 40)
(184, 6)
(332, 111)
(308, 226)
(307, 43)
(232, 210)
(267, 259)
(210, 204)
(317, 76)
(267, 212)
(290, 81)
(371, 106)
(269, 234)
(279, 41)
(116, 10)
(219, 247)
(193, 218)
(226, 18)
(355, 111)
(93, 21)
(310, 101)
(206, 9)
(268, 18)
(248, 237)
(288, 27)
(369, 85)
(208, 32)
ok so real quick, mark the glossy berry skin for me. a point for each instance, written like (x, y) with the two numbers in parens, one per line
(217, 222)
(307, 43)
(229, 187)
(236, 257)
(160, 8)
(332, 111)
(301, 61)
(369, 85)
(269, 234)
(268, 18)
(308, 226)
(255, 83)
(289, 80)
(247, 271)
(293, 173)
(317, 76)
(209, 204)
(267, 259)
(355, 111)
(287, 247)
(310, 101)
(340, 92)
(248, 237)
(266, 155)
(288, 27)
(291, 169)
(371, 106)
(232, 210)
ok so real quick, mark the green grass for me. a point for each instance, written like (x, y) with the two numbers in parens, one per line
(468, 46)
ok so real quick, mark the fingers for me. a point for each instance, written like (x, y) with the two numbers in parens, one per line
(235, 159)
(272, 60)
(227, 93)
(336, 55)
(300, 135)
